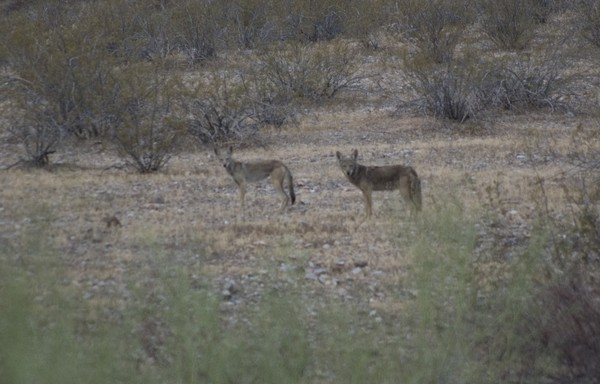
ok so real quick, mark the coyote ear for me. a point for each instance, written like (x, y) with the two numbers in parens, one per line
(338, 154)
(354, 154)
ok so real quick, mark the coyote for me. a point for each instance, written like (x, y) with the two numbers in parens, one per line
(251, 172)
(382, 178)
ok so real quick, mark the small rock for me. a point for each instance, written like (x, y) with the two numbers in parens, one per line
(226, 295)
(377, 273)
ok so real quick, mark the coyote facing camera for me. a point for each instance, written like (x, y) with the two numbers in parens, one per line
(382, 178)
(251, 172)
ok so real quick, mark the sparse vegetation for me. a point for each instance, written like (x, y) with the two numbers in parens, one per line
(313, 72)
(510, 24)
(153, 275)
(589, 16)
(434, 27)
(146, 128)
(455, 90)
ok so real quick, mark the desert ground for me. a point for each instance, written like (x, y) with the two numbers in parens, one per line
(191, 213)
(501, 175)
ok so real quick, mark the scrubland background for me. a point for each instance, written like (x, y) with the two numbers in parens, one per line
(124, 256)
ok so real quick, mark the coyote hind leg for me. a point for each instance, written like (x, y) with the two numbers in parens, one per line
(242, 187)
(368, 203)
(278, 184)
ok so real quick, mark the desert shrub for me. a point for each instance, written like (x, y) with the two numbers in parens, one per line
(220, 109)
(571, 327)
(131, 31)
(60, 86)
(198, 31)
(315, 21)
(541, 80)
(435, 27)
(509, 24)
(39, 141)
(311, 73)
(563, 323)
(146, 126)
(273, 107)
(254, 22)
(543, 9)
(455, 90)
(589, 17)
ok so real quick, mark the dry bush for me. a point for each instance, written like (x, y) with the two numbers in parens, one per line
(254, 22)
(316, 21)
(220, 109)
(435, 27)
(311, 73)
(452, 90)
(540, 80)
(146, 127)
(509, 24)
(198, 29)
(60, 87)
(58, 75)
(39, 141)
(273, 107)
(567, 322)
(589, 18)
(569, 327)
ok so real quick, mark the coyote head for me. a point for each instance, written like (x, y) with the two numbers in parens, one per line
(224, 157)
(348, 164)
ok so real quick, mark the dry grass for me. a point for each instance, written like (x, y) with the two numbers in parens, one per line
(186, 220)
(192, 207)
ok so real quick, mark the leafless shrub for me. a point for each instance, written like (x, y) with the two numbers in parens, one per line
(28, 125)
(147, 127)
(510, 23)
(570, 326)
(273, 108)
(72, 73)
(327, 26)
(434, 27)
(254, 22)
(39, 141)
(220, 109)
(310, 72)
(589, 17)
(538, 81)
(198, 29)
(452, 90)
(60, 87)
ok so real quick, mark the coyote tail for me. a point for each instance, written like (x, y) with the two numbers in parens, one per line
(415, 190)
(291, 185)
